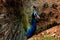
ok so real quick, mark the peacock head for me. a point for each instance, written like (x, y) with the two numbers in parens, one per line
(35, 13)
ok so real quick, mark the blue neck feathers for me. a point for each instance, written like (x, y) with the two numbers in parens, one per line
(32, 29)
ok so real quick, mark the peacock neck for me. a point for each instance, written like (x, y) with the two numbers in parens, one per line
(33, 21)
(33, 24)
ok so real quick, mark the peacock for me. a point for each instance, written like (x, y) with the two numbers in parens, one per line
(31, 29)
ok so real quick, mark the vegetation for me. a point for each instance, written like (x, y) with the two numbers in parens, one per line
(35, 39)
(49, 37)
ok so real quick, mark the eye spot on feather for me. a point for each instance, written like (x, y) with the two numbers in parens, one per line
(50, 14)
(54, 6)
(56, 16)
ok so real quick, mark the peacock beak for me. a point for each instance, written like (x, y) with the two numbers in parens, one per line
(38, 16)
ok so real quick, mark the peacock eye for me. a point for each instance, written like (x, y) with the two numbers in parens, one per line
(35, 15)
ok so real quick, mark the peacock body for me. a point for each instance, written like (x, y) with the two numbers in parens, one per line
(31, 29)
